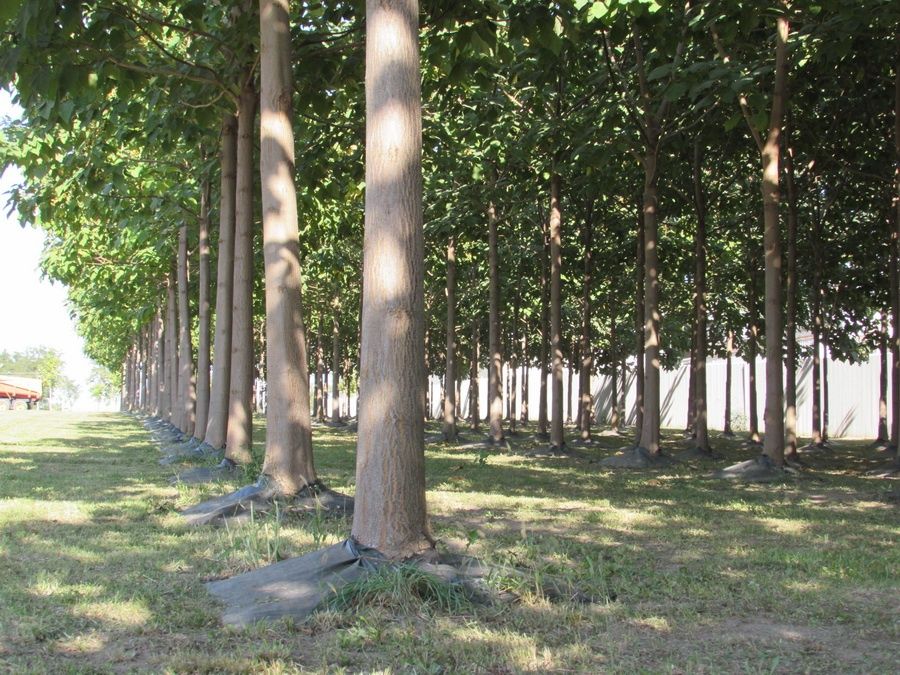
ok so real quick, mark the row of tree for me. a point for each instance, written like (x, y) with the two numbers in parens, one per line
(663, 134)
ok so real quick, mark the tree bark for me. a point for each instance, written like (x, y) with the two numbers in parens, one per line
(389, 513)
(495, 358)
(773, 446)
(289, 452)
(525, 376)
(883, 382)
(545, 333)
(153, 384)
(202, 409)
(639, 327)
(172, 349)
(557, 439)
(824, 383)
(320, 378)
(216, 424)
(240, 421)
(895, 273)
(335, 371)
(585, 403)
(186, 391)
(650, 427)
(790, 324)
(474, 412)
(449, 420)
(729, 355)
(752, 352)
(165, 401)
(817, 327)
(699, 422)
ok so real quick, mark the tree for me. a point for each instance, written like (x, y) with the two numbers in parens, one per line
(389, 513)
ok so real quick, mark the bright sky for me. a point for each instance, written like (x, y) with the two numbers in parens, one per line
(33, 311)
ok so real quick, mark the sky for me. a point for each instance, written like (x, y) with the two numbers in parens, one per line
(33, 310)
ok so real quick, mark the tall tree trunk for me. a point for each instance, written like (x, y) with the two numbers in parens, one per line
(773, 446)
(895, 274)
(240, 420)
(514, 367)
(525, 376)
(545, 333)
(574, 358)
(162, 367)
(692, 366)
(203, 316)
(623, 393)
(817, 327)
(883, 382)
(825, 383)
(585, 403)
(320, 377)
(495, 358)
(557, 439)
(474, 412)
(639, 327)
(700, 419)
(172, 349)
(790, 321)
(389, 513)
(729, 355)
(289, 453)
(153, 383)
(752, 352)
(449, 419)
(186, 391)
(217, 422)
(650, 427)
(335, 371)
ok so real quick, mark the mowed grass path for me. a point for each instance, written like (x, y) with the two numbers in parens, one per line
(685, 573)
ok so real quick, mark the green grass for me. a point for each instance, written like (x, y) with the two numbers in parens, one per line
(684, 573)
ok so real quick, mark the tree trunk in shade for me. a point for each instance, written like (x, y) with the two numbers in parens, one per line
(220, 386)
(585, 402)
(525, 377)
(162, 368)
(699, 422)
(289, 453)
(639, 327)
(895, 274)
(335, 371)
(240, 401)
(883, 382)
(557, 439)
(320, 378)
(773, 446)
(474, 412)
(449, 417)
(752, 351)
(650, 427)
(172, 349)
(389, 513)
(153, 384)
(495, 358)
(825, 383)
(202, 408)
(790, 319)
(545, 334)
(186, 392)
(729, 354)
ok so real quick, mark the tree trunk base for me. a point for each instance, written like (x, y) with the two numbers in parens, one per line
(728, 434)
(815, 448)
(636, 457)
(757, 470)
(262, 497)
(695, 452)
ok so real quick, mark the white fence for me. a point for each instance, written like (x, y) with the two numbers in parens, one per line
(853, 396)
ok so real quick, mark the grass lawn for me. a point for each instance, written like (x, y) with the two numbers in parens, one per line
(686, 573)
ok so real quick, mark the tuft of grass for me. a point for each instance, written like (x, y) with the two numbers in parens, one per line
(404, 588)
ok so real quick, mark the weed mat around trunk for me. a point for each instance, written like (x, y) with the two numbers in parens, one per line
(261, 497)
